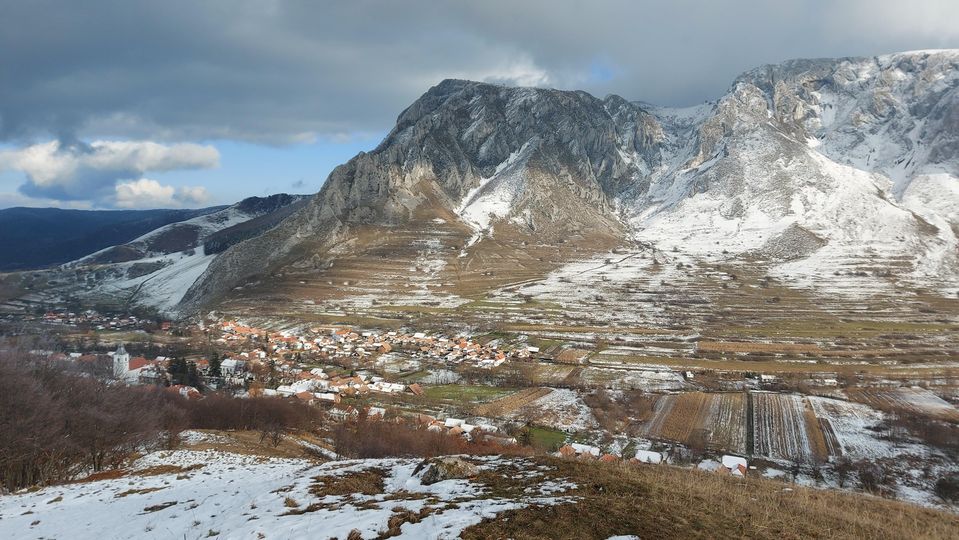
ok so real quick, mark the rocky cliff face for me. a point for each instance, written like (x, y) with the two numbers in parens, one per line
(805, 164)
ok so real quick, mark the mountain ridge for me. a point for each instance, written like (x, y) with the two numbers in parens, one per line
(566, 161)
(807, 170)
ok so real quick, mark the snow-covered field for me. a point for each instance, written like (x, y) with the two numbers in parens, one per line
(853, 426)
(560, 409)
(209, 494)
(779, 427)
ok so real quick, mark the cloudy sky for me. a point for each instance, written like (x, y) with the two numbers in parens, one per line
(123, 104)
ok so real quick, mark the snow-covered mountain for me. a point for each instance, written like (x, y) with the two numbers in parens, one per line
(810, 168)
(820, 162)
(157, 268)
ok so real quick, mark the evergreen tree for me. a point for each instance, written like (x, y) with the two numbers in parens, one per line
(215, 365)
(192, 376)
(177, 370)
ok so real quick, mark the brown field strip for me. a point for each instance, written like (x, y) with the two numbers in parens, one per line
(559, 328)
(684, 421)
(814, 433)
(784, 366)
(660, 411)
(510, 403)
(833, 447)
(758, 347)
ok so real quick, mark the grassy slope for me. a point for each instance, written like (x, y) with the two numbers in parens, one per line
(665, 502)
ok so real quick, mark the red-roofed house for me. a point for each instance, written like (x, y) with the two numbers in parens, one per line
(138, 362)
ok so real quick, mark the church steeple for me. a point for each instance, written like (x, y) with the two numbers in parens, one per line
(121, 362)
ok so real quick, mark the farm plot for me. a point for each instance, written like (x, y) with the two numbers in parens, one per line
(683, 421)
(779, 427)
(851, 431)
(648, 380)
(817, 433)
(726, 422)
(664, 405)
(914, 400)
(511, 402)
(756, 347)
(559, 409)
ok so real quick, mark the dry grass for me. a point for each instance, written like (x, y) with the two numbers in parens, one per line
(664, 502)
(111, 474)
(137, 492)
(366, 482)
(511, 402)
(166, 469)
(817, 439)
(685, 419)
(249, 443)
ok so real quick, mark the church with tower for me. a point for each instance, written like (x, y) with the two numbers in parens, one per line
(121, 363)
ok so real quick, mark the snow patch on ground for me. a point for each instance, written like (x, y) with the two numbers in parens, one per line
(235, 496)
(560, 409)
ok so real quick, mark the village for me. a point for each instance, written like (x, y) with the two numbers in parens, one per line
(518, 389)
(247, 361)
(254, 362)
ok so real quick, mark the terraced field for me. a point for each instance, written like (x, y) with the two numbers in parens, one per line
(726, 422)
(633, 305)
(685, 419)
(911, 400)
(510, 403)
(779, 427)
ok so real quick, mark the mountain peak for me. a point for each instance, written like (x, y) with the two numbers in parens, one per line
(807, 160)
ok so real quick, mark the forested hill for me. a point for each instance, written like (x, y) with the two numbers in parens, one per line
(40, 237)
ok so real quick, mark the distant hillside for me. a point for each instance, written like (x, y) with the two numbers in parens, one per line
(40, 237)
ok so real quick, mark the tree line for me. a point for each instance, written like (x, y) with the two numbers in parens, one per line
(57, 425)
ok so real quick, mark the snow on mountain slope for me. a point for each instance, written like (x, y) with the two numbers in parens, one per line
(158, 268)
(858, 156)
(225, 495)
(199, 228)
(164, 288)
(806, 168)
(495, 197)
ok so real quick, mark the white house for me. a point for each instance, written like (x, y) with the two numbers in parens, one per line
(585, 449)
(736, 465)
(232, 367)
(648, 456)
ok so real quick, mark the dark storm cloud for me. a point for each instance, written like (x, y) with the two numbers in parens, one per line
(280, 71)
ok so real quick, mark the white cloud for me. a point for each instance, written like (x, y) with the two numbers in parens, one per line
(934, 22)
(192, 195)
(147, 193)
(91, 171)
(519, 71)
